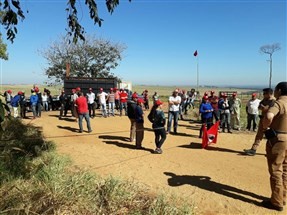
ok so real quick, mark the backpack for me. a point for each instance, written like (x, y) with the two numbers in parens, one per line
(151, 115)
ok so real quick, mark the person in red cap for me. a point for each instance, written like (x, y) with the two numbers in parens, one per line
(157, 117)
(213, 99)
(205, 109)
(111, 102)
(15, 104)
(103, 96)
(235, 107)
(252, 112)
(146, 99)
(131, 111)
(123, 101)
(117, 98)
(83, 112)
(39, 102)
(91, 102)
(139, 118)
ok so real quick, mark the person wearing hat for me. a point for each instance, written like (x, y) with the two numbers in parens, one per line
(158, 125)
(146, 99)
(131, 111)
(103, 101)
(39, 102)
(23, 105)
(213, 99)
(123, 101)
(34, 102)
(83, 112)
(139, 118)
(111, 102)
(173, 111)
(205, 109)
(91, 102)
(15, 104)
(252, 112)
(235, 107)
(267, 102)
(275, 127)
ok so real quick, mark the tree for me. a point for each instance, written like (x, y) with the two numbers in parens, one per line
(93, 58)
(13, 13)
(3, 49)
(270, 49)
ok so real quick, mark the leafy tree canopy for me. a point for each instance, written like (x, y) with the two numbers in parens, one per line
(94, 58)
(13, 13)
(3, 49)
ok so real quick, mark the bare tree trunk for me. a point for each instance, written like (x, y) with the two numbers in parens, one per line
(270, 75)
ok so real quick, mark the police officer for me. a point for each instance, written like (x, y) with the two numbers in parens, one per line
(275, 124)
(267, 102)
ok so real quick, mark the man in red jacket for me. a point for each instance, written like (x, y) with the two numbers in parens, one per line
(83, 112)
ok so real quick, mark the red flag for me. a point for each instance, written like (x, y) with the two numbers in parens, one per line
(210, 136)
(195, 53)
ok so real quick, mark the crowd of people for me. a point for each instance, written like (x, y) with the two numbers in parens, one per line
(212, 108)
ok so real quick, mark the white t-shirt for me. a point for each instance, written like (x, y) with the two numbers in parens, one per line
(44, 98)
(252, 106)
(102, 96)
(91, 97)
(174, 99)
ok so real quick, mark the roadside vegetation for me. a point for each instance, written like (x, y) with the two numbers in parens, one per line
(34, 179)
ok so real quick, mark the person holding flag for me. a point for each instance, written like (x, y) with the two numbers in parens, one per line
(205, 110)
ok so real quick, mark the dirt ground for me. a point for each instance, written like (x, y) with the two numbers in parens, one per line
(219, 180)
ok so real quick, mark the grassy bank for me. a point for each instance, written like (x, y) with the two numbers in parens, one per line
(34, 179)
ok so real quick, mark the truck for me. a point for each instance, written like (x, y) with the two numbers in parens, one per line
(86, 83)
(94, 83)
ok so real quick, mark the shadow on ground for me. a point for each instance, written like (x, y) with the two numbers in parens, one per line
(205, 182)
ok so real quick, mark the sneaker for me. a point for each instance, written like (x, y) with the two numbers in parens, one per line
(250, 152)
(157, 151)
(230, 132)
(269, 205)
(90, 131)
(80, 131)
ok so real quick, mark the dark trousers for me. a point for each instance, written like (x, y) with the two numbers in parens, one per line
(160, 136)
(207, 122)
(23, 111)
(91, 108)
(251, 118)
(139, 134)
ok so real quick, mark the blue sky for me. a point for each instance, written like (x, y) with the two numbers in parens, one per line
(161, 37)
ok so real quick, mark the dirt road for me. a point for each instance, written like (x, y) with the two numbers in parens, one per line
(219, 180)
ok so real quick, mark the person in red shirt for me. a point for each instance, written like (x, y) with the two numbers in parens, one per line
(123, 101)
(83, 112)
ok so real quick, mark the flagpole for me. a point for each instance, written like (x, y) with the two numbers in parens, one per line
(197, 81)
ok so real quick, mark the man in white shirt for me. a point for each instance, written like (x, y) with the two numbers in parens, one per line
(173, 111)
(91, 102)
(103, 101)
(252, 112)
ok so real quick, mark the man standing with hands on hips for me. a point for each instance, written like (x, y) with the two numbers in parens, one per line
(275, 126)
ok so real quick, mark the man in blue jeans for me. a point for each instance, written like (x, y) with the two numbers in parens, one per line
(83, 112)
(173, 111)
